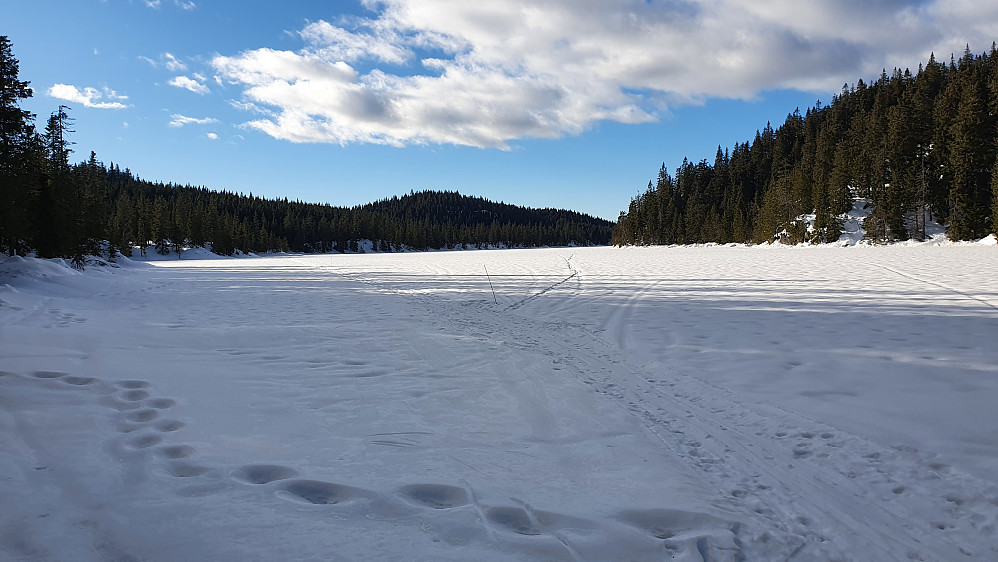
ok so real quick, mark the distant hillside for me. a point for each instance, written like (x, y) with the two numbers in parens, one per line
(455, 219)
(922, 148)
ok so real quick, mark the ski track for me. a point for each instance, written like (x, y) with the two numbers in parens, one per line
(771, 468)
(784, 486)
(939, 285)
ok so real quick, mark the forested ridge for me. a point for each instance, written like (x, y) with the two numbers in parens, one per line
(918, 147)
(58, 209)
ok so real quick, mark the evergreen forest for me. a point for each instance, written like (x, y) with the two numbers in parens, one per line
(916, 147)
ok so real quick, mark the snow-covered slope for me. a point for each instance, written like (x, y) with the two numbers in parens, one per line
(852, 224)
(616, 404)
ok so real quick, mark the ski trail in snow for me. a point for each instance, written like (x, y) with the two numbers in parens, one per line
(679, 531)
(616, 325)
(938, 285)
(544, 291)
(771, 467)
(785, 482)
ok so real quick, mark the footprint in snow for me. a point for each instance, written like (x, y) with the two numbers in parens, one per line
(142, 416)
(169, 426)
(178, 451)
(436, 496)
(144, 441)
(701, 534)
(47, 374)
(321, 493)
(263, 473)
(78, 381)
(134, 395)
(137, 409)
(160, 403)
(186, 470)
(527, 521)
(514, 519)
(132, 384)
(116, 404)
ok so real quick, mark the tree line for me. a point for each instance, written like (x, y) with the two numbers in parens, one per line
(171, 216)
(917, 147)
(58, 209)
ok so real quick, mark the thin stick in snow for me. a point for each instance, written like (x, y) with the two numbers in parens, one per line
(490, 285)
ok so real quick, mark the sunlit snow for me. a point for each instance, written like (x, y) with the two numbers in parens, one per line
(709, 403)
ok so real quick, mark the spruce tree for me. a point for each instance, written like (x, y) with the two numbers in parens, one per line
(16, 134)
(93, 208)
(56, 208)
(994, 198)
(969, 190)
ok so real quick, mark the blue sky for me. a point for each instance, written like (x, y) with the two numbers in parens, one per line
(570, 104)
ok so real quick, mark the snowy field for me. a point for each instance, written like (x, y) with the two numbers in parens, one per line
(718, 403)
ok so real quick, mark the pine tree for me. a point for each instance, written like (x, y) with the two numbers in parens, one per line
(16, 134)
(970, 181)
(56, 208)
(994, 197)
(93, 209)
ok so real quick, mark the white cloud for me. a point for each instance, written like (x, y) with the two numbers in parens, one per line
(487, 73)
(89, 97)
(182, 4)
(246, 106)
(189, 84)
(168, 61)
(178, 120)
(336, 43)
(172, 64)
(212, 136)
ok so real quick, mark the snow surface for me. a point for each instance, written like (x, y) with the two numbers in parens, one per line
(711, 403)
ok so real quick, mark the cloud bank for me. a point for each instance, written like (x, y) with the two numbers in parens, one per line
(487, 73)
(89, 97)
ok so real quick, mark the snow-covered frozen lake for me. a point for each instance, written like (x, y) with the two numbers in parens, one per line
(718, 403)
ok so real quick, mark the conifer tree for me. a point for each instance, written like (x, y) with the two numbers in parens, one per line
(970, 184)
(93, 208)
(918, 148)
(16, 132)
(994, 198)
(56, 209)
